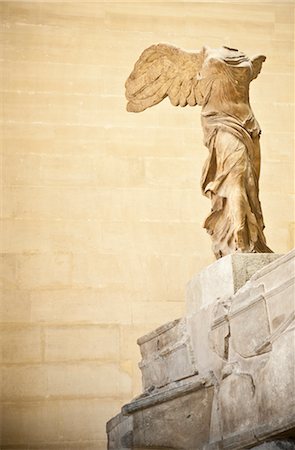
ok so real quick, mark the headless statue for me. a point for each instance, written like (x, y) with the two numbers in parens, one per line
(218, 80)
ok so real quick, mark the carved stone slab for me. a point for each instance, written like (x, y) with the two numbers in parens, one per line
(166, 355)
(242, 393)
(223, 278)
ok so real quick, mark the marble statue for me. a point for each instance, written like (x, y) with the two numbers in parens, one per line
(218, 80)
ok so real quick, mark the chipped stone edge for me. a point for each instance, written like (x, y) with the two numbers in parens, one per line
(158, 331)
(261, 296)
(114, 422)
(273, 265)
(166, 395)
(254, 437)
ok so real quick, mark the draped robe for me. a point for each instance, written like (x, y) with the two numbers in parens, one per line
(231, 173)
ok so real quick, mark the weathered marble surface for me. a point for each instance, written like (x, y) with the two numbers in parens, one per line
(232, 384)
(120, 432)
(282, 444)
(167, 355)
(231, 271)
(218, 80)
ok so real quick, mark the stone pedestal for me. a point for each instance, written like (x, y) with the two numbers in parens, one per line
(223, 278)
(222, 377)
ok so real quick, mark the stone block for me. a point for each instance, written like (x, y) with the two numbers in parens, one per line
(33, 382)
(263, 308)
(165, 275)
(23, 382)
(275, 399)
(103, 380)
(159, 171)
(15, 306)
(96, 306)
(91, 270)
(146, 312)
(66, 202)
(276, 273)
(56, 423)
(219, 339)
(235, 390)
(163, 204)
(229, 273)
(19, 423)
(78, 343)
(172, 238)
(20, 169)
(249, 327)
(44, 270)
(186, 423)
(206, 355)
(166, 355)
(90, 414)
(51, 170)
(128, 337)
(8, 265)
(20, 344)
(158, 339)
(271, 403)
(280, 304)
(120, 432)
(22, 235)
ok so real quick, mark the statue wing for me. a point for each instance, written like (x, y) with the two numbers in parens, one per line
(163, 70)
(257, 65)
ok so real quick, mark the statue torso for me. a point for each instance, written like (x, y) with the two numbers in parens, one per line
(223, 86)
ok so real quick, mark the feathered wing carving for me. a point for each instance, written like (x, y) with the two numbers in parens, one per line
(257, 65)
(163, 71)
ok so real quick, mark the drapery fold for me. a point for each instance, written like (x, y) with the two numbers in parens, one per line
(230, 179)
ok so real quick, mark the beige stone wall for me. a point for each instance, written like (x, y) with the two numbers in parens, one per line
(102, 208)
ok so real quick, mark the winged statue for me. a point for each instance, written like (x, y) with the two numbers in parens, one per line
(217, 80)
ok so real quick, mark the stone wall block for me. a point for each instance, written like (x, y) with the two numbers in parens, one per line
(167, 355)
(50, 424)
(238, 410)
(219, 329)
(280, 305)
(120, 431)
(249, 328)
(63, 343)
(179, 363)
(159, 339)
(186, 419)
(275, 384)
(219, 339)
(32, 382)
(206, 354)
(153, 373)
(21, 344)
(279, 271)
(15, 306)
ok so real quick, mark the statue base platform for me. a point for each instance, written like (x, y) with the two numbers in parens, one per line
(224, 278)
(222, 377)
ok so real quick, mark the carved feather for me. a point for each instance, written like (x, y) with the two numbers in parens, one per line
(257, 65)
(163, 70)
